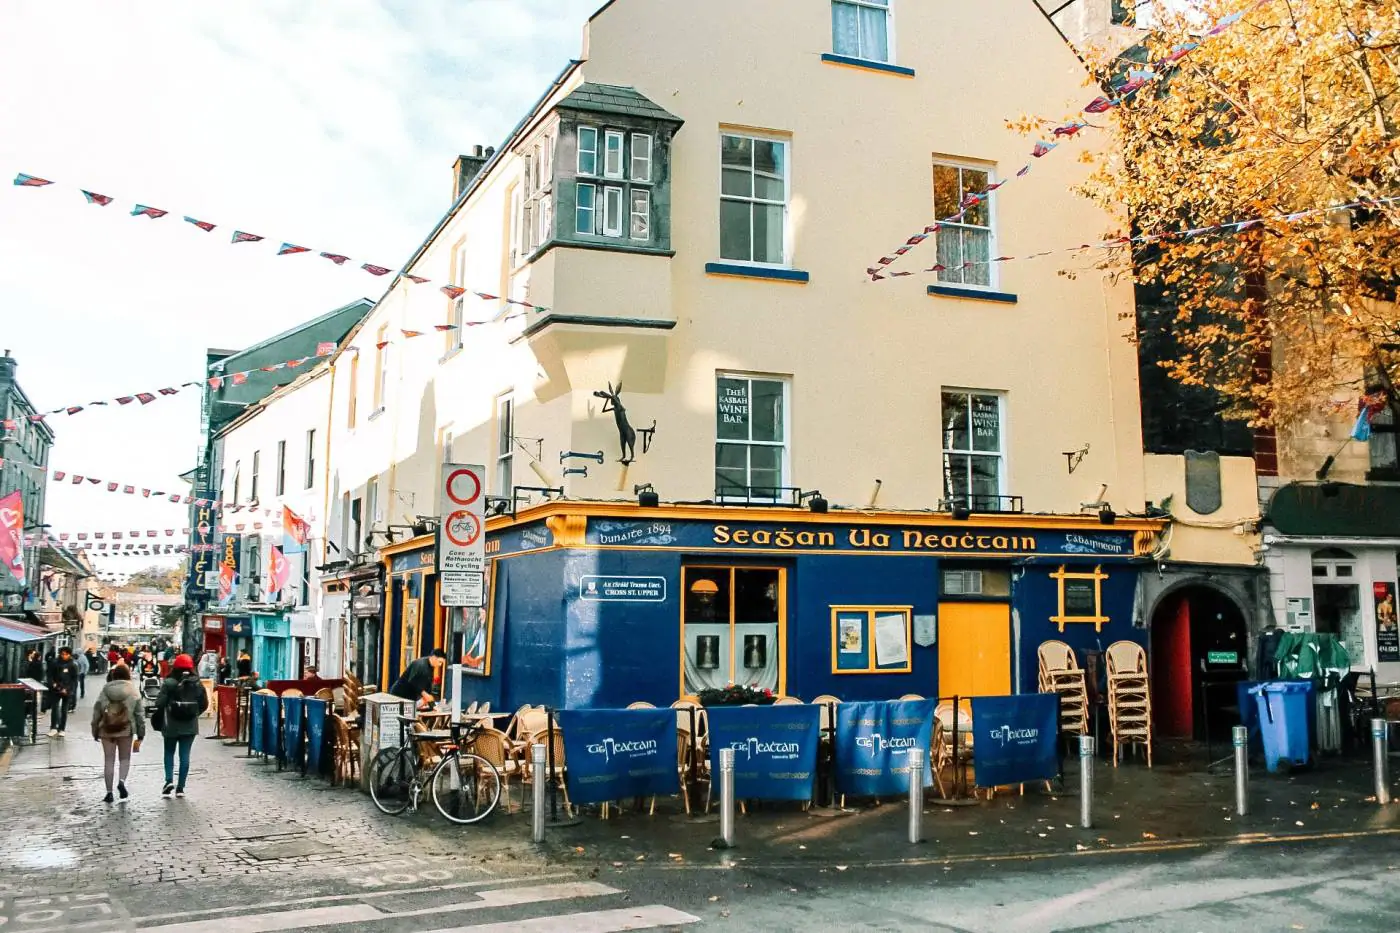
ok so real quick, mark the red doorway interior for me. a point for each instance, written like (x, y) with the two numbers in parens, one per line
(1198, 637)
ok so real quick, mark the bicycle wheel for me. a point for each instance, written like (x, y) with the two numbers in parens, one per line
(391, 780)
(466, 787)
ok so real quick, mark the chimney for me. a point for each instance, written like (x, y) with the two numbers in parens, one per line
(467, 167)
(7, 369)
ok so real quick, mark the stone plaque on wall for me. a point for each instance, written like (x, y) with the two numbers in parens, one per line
(1203, 481)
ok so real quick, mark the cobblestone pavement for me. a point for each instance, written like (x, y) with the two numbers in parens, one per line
(251, 849)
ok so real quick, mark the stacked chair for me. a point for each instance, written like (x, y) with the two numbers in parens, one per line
(1129, 698)
(1060, 673)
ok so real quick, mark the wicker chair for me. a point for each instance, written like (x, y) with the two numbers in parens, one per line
(496, 747)
(641, 704)
(912, 696)
(787, 701)
(1129, 698)
(554, 741)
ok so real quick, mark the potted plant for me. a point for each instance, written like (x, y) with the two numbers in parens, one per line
(736, 695)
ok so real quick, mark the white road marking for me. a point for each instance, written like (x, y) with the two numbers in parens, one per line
(598, 921)
(351, 895)
(514, 897)
(313, 917)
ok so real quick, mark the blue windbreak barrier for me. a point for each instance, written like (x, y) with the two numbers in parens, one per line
(271, 725)
(317, 712)
(616, 754)
(775, 749)
(1014, 738)
(291, 729)
(873, 742)
(257, 713)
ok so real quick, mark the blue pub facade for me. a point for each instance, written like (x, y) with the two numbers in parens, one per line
(604, 604)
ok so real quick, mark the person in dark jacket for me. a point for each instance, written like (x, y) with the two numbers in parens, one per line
(182, 700)
(34, 667)
(63, 686)
(418, 679)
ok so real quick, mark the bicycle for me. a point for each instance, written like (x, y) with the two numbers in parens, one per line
(465, 787)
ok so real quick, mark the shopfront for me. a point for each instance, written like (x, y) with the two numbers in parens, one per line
(593, 604)
(239, 638)
(274, 655)
(1335, 548)
(412, 618)
(215, 639)
(363, 650)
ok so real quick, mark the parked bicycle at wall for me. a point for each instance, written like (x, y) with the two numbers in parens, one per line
(464, 787)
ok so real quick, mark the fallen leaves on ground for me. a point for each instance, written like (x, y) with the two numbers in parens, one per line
(1149, 835)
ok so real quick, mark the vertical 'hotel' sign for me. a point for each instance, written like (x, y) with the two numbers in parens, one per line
(461, 541)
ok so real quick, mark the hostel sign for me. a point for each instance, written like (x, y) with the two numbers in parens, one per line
(461, 542)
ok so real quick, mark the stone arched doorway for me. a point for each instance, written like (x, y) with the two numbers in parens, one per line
(1198, 636)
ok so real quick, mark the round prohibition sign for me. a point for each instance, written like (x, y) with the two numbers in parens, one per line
(472, 484)
(463, 528)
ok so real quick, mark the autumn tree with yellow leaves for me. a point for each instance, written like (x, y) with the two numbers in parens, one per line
(1283, 115)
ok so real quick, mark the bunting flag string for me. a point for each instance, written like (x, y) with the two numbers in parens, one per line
(1137, 79)
(147, 535)
(1229, 227)
(324, 349)
(287, 248)
(77, 479)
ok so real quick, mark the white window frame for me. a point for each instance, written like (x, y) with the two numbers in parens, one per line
(633, 159)
(786, 262)
(614, 224)
(785, 479)
(592, 150)
(544, 220)
(310, 457)
(889, 30)
(609, 137)
(505, 444)
(1000, 454)
(457, 307)
(281, 468)
(633, 213)
(381, 367)
(591, 209)
(253, 476)
(962, 165)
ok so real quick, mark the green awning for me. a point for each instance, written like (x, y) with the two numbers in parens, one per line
(1336, 510)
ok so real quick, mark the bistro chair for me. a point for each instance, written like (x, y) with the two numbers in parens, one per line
(944, 714)
(683, 753)
(345, 750)
(911, 696)
(1129, 698)
(942, 755)
(292, 692)
(496, 747)
(1060, 673)
(325, 693)
(472, 707)
(528, 721)
(787, 701)
(641, 704)
(689, 698)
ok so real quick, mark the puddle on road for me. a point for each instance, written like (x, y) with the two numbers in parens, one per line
(42, 858)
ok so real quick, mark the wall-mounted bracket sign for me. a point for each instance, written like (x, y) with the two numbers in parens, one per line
(626, 434)
(594, 588)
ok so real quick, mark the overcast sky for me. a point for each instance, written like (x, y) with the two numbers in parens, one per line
(329, 125)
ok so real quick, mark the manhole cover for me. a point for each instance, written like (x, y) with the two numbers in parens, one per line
(294, 848)
(264, 830)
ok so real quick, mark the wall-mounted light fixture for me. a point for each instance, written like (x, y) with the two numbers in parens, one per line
(646, 496)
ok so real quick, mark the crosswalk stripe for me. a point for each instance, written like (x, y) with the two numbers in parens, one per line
(597, 921)
(514, 897)
(310, 918)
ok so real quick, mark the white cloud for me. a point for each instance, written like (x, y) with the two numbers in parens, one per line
(333, 126)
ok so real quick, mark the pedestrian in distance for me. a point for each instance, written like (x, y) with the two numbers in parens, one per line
(63, 687)
(181, 702)
(119, 723)
(245, 664)
(225, 669)
(34, 667)
(84, 668)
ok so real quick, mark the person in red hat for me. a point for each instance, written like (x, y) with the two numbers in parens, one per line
(181, 702)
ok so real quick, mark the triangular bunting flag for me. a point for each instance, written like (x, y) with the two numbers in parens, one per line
(452, 291)
(416, 279)
(325, 348)
(375, 270)
(145, 398)
(287, 249)
(240, 237)
(336, 258)
(31, 181)
(204, 225)
(152, 212)
(94, 198)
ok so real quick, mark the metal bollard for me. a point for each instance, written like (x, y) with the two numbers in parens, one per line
(1380, 755)
(1240, 737)
(540, 770)
(1086, 781)
(726, 796)
(916, 796)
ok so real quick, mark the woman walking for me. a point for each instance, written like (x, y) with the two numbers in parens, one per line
(181, 702)
(119, 723)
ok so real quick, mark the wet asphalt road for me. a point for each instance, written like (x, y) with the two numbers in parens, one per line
(252, 850)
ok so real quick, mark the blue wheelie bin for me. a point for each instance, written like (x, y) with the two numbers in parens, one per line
(1283, 721)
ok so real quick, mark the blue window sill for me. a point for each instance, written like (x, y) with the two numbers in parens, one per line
(977, 294)
(867, 65)
(756, 272)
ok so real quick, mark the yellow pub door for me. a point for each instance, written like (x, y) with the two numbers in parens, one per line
(974, 649)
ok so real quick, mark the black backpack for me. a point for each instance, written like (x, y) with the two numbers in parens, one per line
(188, 701)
